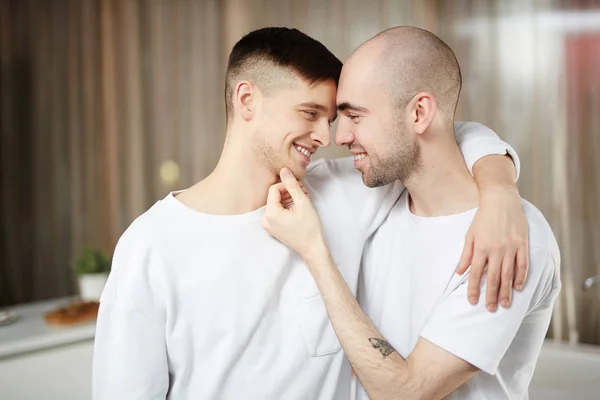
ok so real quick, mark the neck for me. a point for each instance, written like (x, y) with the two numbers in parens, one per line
(237, 185)
(443, 184)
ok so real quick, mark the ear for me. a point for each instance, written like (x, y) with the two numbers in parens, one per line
(423, 108)
(244, 100)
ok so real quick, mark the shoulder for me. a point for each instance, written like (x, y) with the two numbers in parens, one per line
(544, 253)
(137, 270)
(324, 168)
(334, 178)
(541, 236)
(142, 247)
(144, 231)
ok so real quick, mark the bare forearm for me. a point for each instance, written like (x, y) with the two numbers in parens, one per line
(493, 173)
(382, 371)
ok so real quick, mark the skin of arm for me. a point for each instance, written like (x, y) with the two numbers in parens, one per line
(504, 249)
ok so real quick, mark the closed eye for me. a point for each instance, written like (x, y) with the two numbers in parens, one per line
(354, 118)
(311, 115)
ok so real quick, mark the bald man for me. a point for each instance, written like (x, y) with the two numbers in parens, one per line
(417, 338)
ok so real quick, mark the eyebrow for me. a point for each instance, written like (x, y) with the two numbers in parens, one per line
(314, 105)
(351, 107)
(319, 107)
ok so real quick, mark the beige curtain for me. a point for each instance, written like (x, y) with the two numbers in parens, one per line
(107, 105)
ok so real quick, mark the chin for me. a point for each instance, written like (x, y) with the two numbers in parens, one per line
(367, 179)
(372, 181)
(369, 183)
(299, 172)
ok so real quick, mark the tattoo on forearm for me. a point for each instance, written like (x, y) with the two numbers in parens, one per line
(383, 346)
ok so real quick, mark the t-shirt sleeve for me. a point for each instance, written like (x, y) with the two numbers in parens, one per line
(130, 357)
(477, 141)
(481, 337)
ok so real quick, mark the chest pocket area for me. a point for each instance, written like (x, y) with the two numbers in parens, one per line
(317, 329)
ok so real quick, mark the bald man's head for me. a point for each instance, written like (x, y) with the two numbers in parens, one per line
(409, 60)
(378, 82)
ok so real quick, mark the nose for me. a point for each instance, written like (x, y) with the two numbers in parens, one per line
(322, 135)
(343, 135)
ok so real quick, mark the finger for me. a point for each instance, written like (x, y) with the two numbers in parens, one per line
(281, 187)
(287, 203)
(292, 185)
(522, 267)
(284, 193)
(274, 199)
(467, 255)
(494, 268)
(286, 198)
(475, 275)
(506, 282)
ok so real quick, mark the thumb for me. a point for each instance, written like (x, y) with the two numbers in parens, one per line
(292, 185)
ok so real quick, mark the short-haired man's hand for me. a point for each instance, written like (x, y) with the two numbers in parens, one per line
(499, 239)
(290, 216)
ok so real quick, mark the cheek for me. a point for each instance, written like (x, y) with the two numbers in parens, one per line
(366, 133)
(297, 128)
(373, 137)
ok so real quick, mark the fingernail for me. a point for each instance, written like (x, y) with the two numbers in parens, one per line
(473, 300)
(505, 303)
(492, 307)
(519, 287)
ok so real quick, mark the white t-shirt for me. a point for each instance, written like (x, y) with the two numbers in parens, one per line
(409, 289)
(201, 306)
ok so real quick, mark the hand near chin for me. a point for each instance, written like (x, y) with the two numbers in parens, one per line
(295, 223)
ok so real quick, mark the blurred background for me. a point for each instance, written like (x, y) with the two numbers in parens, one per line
(107, 105)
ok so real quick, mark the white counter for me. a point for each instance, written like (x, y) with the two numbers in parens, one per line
(31, 333)
(40, 361)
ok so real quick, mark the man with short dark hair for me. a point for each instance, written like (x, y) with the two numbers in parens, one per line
(420, 338)
(201, 302)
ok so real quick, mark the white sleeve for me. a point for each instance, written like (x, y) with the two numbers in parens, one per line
(372, 205)
(481, 337)
(477, 141)
(130, 356)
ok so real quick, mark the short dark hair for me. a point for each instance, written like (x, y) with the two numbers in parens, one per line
(256, 56)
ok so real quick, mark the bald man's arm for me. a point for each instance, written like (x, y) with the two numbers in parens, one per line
(503, 249)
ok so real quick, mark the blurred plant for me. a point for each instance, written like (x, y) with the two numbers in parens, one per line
(91, 260)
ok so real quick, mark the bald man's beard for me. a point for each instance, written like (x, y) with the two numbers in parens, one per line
(403, 159)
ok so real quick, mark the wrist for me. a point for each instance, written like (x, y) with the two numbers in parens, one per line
(495, 174)
(497, 188)
(316, 252)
